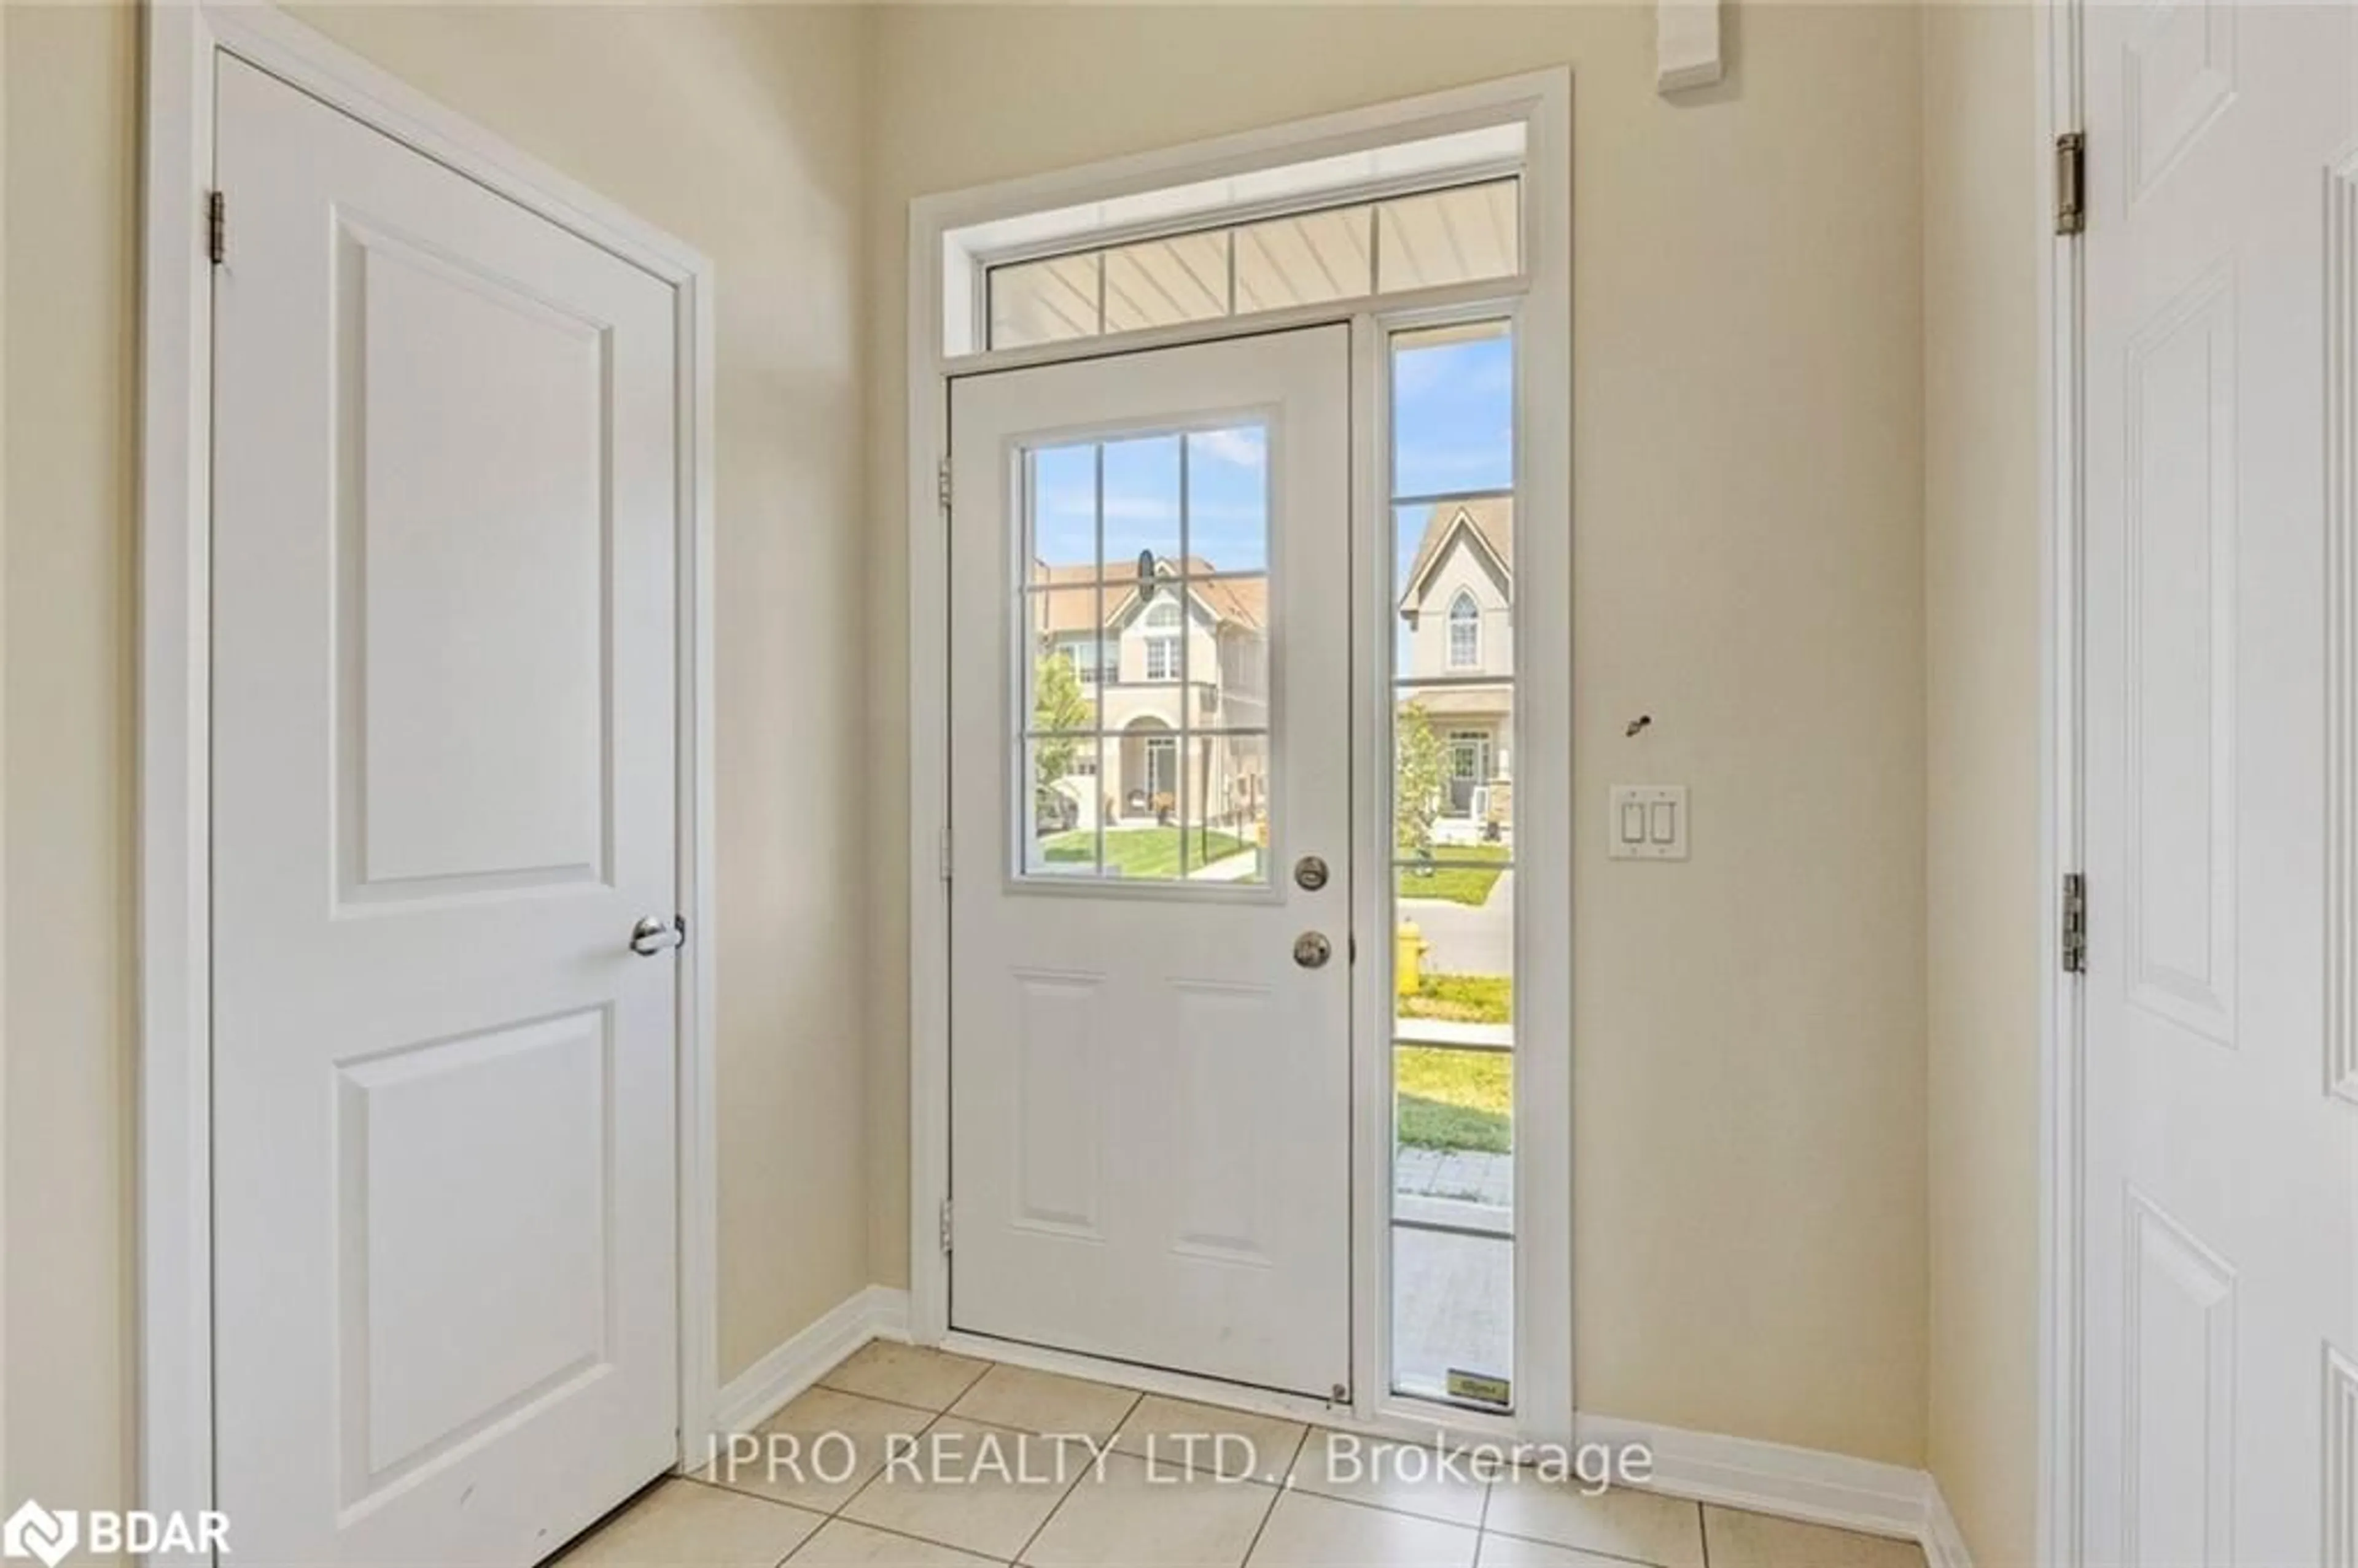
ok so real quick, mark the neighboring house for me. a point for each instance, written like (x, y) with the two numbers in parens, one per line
(1194, 647)
(1456, 605)
(1198, 644)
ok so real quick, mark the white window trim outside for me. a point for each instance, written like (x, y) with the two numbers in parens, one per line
(1163, 657)
(175, 1415)
(1539, 303)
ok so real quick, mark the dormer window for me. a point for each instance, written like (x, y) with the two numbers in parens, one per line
(1465, 633)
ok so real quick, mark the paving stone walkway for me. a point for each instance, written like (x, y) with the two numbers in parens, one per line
(1459, 1175)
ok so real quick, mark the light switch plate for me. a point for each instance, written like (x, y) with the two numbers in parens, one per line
(1647, 822)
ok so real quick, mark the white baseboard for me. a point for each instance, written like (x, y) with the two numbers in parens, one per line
(1805, 1484)
(1944, 1543)
(761, 1390)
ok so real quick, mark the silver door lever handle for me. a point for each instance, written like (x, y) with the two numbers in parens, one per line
(656, 935)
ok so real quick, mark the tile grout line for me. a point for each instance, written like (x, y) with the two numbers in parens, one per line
(1049, 1518)
(862, 1490)
(899, 1535)
(1482, 1521)
(1567, 1546)
(882, 1400)
(1277, 1496)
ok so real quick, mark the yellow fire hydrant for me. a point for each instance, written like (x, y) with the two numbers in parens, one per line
(1409, 948)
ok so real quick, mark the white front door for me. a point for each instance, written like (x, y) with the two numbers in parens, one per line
(2218, 1400)
(443, 762)
(1150, 1086)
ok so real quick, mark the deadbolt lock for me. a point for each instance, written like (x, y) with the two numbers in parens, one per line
(1310, 873)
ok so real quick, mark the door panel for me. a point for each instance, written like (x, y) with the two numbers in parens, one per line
(443, 766)
(1150, 1097)
(2217, 1247)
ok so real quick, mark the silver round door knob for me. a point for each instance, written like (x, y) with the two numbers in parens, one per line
(1311, 950)
(1310, 873)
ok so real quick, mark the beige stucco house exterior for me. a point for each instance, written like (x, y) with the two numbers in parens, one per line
(1457, 634)
(1180, 673)
(1176, 663)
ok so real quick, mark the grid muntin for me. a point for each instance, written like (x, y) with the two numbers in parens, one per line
(1182, 579)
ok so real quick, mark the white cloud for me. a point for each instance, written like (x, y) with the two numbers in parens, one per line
(1247, 447)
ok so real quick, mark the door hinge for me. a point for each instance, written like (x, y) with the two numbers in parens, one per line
(2071, 182)
(942, 484)
(945, 854)
(2075, 923)
(945, 1227)
(217, 227)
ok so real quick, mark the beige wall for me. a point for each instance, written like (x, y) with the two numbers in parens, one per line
(1748, 385)
(736, 128)
(71, 387)
(1984, 186)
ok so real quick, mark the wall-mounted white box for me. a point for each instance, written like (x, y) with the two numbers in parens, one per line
(1648, 822)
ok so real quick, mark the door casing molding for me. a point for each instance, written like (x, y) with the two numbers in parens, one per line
(2062, 1107)
(175, 1189)
(1539, 303)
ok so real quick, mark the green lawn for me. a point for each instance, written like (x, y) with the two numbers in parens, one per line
(1147, 852)
(1461, 999)
(1455, 1100)
(1469, 879)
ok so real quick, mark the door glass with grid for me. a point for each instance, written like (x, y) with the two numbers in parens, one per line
(1151, 550)
(1453, 1249)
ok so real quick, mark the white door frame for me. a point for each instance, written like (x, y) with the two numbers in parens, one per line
(175, 1239)
(2061, 1047)
(1540, 302)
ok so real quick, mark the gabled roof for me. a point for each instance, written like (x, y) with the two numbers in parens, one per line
(1488, 525)
(1069, 602)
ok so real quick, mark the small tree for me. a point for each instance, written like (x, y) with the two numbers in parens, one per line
(1420, 773)
(1059, 707)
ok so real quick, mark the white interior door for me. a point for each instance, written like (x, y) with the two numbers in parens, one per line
(443, 777)
(2218, 1193)
(1149, 643)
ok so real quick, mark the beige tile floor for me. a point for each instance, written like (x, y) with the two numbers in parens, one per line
(1267, 1502)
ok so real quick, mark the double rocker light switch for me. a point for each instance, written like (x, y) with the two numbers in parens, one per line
(1649, 822)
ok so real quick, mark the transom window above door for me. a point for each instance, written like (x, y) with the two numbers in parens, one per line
(1459, 235)
(1396, 221)
(1151, 550)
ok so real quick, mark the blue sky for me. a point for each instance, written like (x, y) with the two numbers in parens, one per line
(1227, 500)
(1453, 426)
(1453, 430)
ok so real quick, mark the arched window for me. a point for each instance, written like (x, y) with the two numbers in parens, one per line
(1465, 633)
(1161, 621)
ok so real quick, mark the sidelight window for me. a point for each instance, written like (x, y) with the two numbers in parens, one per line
(1454, 913)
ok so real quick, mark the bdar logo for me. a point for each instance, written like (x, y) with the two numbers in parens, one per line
(34, 1532)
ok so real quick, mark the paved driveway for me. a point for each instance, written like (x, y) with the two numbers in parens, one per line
(1467, 939)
